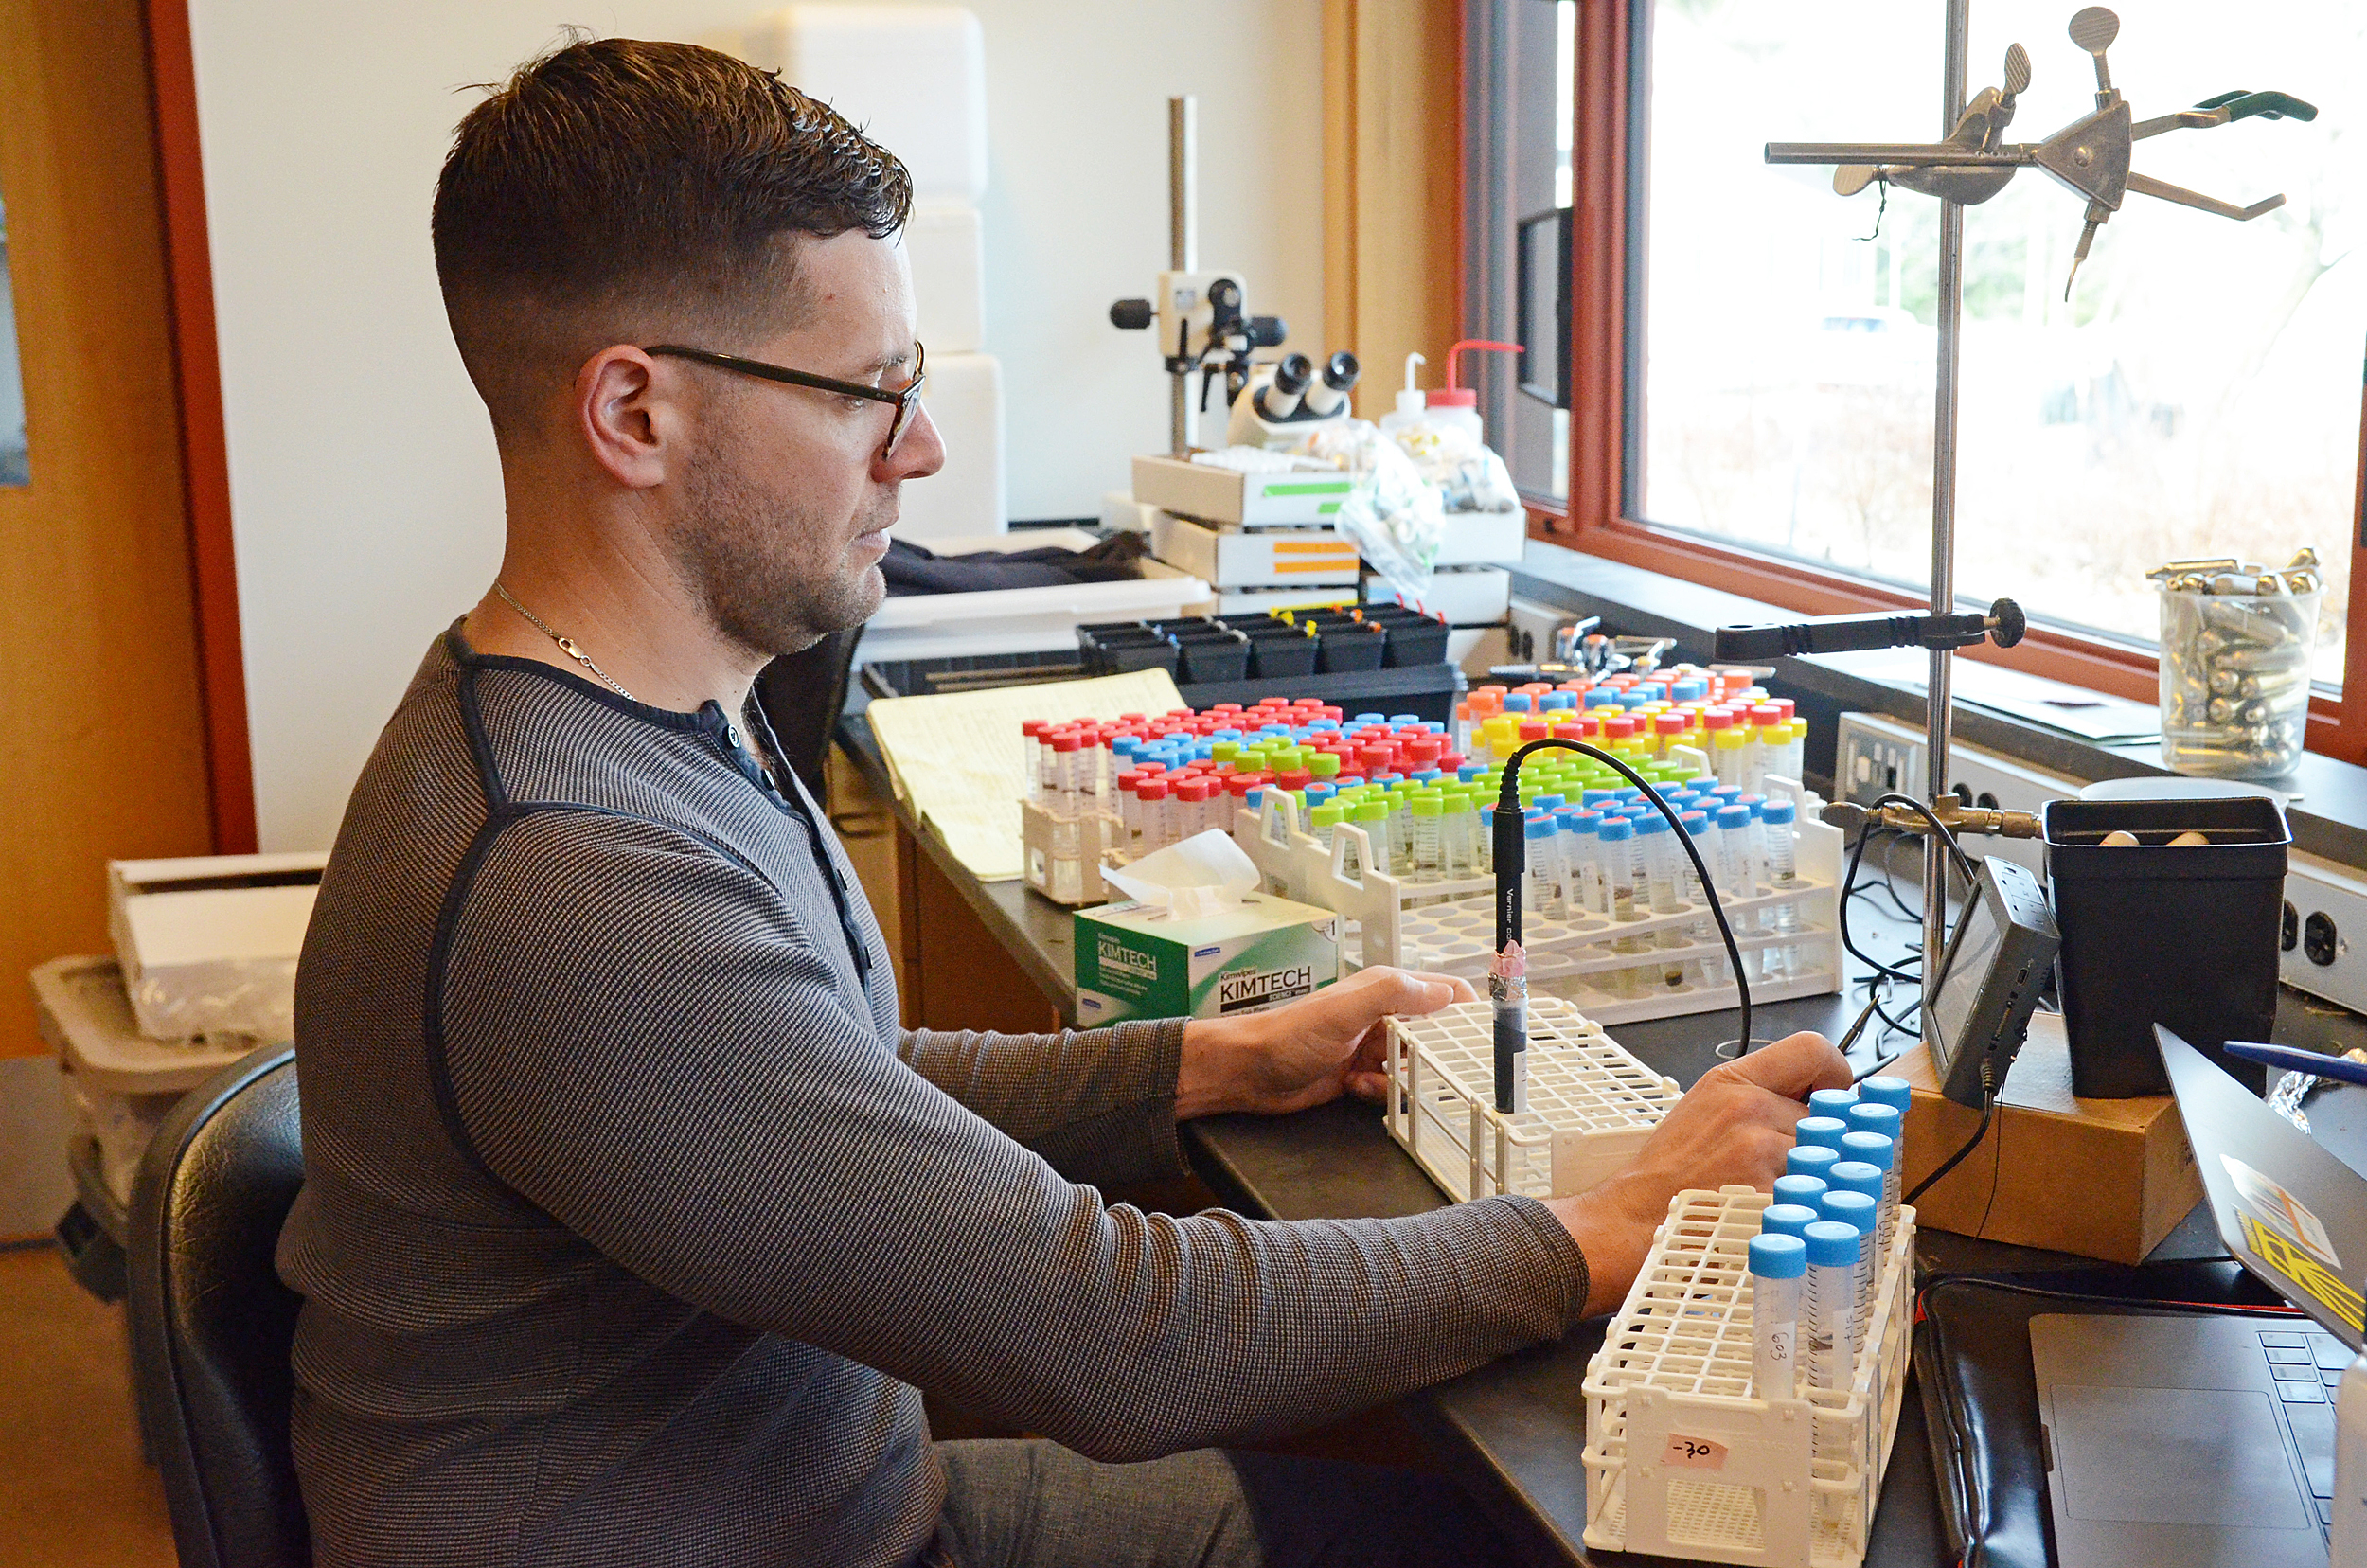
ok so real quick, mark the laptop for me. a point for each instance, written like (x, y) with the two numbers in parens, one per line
(2204, 1440)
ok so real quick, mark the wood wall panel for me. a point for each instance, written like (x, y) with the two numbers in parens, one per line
(103, 743)
(1393, 205)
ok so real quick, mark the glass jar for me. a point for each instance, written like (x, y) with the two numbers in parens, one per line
(2236, 656)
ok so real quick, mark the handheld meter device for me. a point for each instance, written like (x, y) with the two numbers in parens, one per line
(1996, 964)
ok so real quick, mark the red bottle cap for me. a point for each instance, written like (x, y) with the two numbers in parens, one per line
(1293, 778)
(1533, 729)
(1618, 726)
(1718, 719)
(1193, 789)
(1668, 723)
(1152, 788)
(1068, 741)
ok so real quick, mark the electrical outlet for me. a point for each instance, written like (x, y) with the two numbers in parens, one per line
(1532, 628)
(2326, 904)
(2326, 912)
(1873, 744)
(1876, 756)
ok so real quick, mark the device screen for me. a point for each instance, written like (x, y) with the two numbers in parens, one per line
(1969, 958)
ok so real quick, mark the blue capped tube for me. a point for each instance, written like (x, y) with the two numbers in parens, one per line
(1832, 1102)
(1883, 1089)
(1832, 1258)
(1875, 1150)
(1863, 1215)
(1789, 1219)
(1779, 1265)
(1809, 1160)
(1827, 1130)
(1806, 1191)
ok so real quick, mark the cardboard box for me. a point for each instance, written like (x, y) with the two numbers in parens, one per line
(1139, 961)
(1216, 494)
(209, 945)
(1484, 538)
(1467, 596)
(1233, 558)
(2104, 1178)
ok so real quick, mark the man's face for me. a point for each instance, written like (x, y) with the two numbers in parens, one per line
(785, 507)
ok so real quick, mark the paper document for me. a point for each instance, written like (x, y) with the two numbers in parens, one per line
(959, 757)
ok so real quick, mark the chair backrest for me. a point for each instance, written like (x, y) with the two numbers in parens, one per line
(212, 1325)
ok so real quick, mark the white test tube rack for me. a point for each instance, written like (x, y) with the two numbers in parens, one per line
(1448, 927)
(1683, 1460)
(1591, 1105)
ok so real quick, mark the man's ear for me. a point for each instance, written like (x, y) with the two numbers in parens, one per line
(630, 416)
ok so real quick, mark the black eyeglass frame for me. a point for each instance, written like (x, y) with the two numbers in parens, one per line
(906, 399)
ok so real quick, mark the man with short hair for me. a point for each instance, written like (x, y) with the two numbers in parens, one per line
(632, 1225)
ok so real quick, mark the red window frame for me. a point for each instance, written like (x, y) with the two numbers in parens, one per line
(1593, 518)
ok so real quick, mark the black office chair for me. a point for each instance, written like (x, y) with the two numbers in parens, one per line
(211, 1323)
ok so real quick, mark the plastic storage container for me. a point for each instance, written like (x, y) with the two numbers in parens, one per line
(2183, 935)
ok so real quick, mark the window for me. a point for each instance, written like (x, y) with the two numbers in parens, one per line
(1753, 365)
(1520, 179)
(2197, 395)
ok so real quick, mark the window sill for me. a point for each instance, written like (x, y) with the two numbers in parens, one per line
(2328, 814)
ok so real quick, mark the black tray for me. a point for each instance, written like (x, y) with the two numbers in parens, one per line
(1429, 691)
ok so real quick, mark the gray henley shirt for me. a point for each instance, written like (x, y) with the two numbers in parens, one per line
(632, 1225)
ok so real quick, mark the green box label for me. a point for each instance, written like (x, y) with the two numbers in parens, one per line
(1117, 965)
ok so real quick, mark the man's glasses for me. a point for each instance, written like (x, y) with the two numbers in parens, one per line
(906, 399)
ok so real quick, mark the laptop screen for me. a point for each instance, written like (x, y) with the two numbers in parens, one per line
(2288, 1211)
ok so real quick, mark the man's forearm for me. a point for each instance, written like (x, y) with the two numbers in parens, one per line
(1209, 1077)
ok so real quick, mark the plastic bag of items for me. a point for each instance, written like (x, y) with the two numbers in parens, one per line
(1398, 520)
(1467, 474)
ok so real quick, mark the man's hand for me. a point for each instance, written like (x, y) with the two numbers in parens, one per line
(1305, 1052)
(1734, 1125)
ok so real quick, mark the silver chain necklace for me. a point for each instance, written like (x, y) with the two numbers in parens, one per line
(566, 645)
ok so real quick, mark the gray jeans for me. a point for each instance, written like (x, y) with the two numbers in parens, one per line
(1025, 1502)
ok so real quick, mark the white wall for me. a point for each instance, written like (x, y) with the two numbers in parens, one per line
(364, 486)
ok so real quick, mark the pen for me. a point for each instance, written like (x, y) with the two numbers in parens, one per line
(2340, 1068)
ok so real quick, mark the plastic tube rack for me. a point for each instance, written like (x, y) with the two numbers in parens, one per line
(1448, 927)
(1683, 1460)
(1591, 1104)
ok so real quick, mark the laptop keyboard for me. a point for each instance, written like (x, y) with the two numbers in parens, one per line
(2309, 1368)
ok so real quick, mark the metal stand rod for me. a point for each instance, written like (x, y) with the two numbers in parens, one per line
(1951, 307)
(1182, 241)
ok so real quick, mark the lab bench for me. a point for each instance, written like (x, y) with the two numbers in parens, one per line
(995, 955)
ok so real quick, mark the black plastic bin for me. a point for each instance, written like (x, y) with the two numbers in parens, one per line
(1414, 637)
(1121, 648)
(1282, 653)
(2184, 936)
(1219, 653)
(1344, 643)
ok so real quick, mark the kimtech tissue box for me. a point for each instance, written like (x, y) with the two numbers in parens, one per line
(1198, 940)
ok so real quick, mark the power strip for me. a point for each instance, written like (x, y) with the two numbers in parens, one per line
(2326, 904)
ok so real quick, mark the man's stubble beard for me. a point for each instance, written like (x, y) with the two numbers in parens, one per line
(772, 579)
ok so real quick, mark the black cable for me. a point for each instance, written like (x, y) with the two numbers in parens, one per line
(1849, 878)
(1963, 862)
(1508, 909)
(1988, 1110)
(1890, 837)
(1886, 1062)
